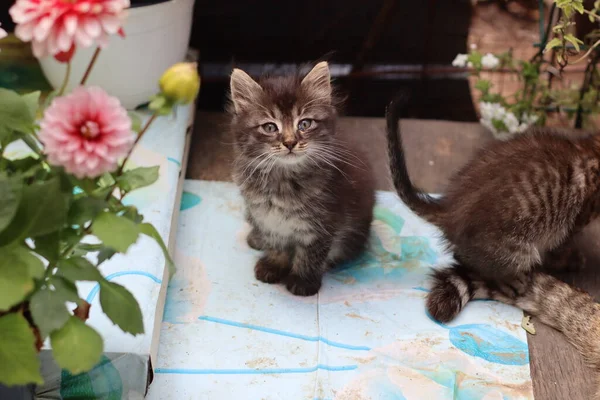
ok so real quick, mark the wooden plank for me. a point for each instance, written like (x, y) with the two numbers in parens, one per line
(435, 149)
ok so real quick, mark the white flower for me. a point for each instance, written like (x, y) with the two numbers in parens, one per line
(522, 127)
(491, 111)
(511, 122)
(489, 61)
(473, 46)
(460, 60)
(470, 64)
(530, 119)
(3, 33)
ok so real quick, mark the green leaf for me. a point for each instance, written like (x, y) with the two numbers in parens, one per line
(114, 231)
(35, 266)
(157, 103)
(15, 275)
(138, 178)
(66, 289)
(70, 237)
(499, 125)
(136, 122)
(106, 180)
(76, 346)
(85, 209)
(26, 167)
(132, 213)
(89, 248)
(475, 59)
(10, 196)
(149, 230)
(33, 103)
(102, 192)
(121, 307)
(19, 362)
(573, 40)
(556, 42)
(483, 85)
(48, 246)
(105, 254)
(48, 310)
(43, 210)
(79, 269)
(49, 99)
(15, 112)
(578, 7)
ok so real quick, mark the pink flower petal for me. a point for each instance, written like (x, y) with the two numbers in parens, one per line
(42, 29)
(39, 49)
(86, 132)
(83, 39)
(92, 27)
(110, 23)
(54, 25)
(70, 25)
(25, 32)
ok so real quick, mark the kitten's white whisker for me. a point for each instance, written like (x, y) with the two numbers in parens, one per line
(341, 151)
(336, 157)
(257, 167)
(326, 161)
(251, 162)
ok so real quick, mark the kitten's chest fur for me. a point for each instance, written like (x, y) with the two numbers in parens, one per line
(289, 207)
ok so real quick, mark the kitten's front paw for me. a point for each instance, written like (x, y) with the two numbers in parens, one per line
(270, 269)
(255, 241)
(301, 287)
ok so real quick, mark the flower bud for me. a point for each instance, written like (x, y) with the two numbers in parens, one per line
(180, 83)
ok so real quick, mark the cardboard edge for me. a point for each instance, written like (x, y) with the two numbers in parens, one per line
(162, 296)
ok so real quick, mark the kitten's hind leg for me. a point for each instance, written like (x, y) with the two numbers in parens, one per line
(566, 258)
(255, 240)
(272, 267)
(308, 266)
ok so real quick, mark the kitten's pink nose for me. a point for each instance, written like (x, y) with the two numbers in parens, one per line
(290, 144)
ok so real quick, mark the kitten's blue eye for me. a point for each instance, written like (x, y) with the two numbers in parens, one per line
(270, 127)
(305, 124)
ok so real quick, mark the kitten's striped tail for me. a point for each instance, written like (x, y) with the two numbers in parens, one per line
(559, 305)
(419, 202)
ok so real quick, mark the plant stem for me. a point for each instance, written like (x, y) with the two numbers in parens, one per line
(122, 167)
(144, 129)
(588, 12)
(90, 66)
(32, 144)
(587, 53)
(66, 81)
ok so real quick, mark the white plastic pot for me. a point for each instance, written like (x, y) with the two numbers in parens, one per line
(157, 36)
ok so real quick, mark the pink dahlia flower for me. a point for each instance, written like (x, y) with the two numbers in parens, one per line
(87, 132)
(56, 26)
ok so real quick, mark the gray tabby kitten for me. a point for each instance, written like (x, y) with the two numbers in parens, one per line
(507, 215)
(309, 197)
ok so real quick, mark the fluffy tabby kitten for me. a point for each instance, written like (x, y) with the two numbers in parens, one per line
(309, 197)
(506, 216)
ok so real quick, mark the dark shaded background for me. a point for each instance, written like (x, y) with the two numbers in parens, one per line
(417, 37)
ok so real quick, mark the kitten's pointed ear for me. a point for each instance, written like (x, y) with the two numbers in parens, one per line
(245, 91)
(318, 82)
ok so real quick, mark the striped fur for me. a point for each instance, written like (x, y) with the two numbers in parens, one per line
(508, 216)
(557, 304)
(309, 197)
